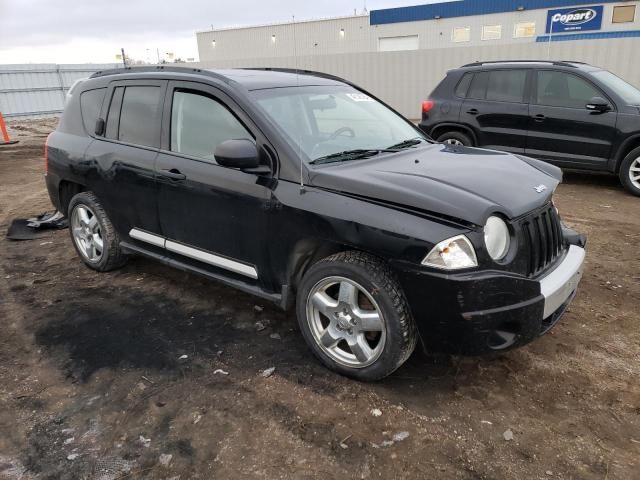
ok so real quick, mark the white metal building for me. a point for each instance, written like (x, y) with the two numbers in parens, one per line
(400, 54)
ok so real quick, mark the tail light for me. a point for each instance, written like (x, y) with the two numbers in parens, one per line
(46, 155)
(427, 105)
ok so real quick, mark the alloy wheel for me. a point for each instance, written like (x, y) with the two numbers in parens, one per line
(87, 233)
(634, 173)
(453, 141)
(346, 322)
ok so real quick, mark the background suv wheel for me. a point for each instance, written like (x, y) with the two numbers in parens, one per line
(455, 138)
(354, 316)
(630, 172)
(93, 235)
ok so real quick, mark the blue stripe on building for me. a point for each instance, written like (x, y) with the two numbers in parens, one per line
(589, 36)
(467, 8)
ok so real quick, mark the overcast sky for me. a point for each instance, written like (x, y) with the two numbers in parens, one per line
(80, 31)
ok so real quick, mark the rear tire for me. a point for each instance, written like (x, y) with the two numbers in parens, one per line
(93, 235)
(455, 138)
(355, 317)
(630, 172)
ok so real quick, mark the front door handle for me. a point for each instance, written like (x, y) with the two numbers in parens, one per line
(472, 111)
(173, 174)
(539, 117)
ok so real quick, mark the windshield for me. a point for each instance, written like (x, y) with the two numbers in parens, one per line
(323, 121)
(629, 93)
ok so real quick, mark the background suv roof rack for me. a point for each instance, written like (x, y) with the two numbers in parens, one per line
(562, 63)
(160, 68)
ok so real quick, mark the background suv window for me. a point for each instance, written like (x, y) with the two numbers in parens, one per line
(559, 89)
(200, 123)
(506, 85)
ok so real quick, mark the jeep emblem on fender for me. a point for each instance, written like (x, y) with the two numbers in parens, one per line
(540, 188)
(576, 17)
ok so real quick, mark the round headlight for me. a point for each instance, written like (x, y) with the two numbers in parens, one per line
(496, 238)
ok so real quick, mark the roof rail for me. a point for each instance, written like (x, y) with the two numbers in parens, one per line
(160, 68)
(553, 62)
(313, 73)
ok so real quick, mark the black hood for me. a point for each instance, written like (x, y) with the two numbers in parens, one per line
(463, 183)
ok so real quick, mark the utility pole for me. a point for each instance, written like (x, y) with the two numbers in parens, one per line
(124, 60)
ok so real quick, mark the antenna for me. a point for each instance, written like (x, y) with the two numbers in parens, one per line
(295, 57)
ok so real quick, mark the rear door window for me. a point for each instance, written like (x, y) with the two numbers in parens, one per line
(90, 105)
(463, 85)
(113, 117)
(478, 86)
(139, 115)
(559, 89)
(506, 85)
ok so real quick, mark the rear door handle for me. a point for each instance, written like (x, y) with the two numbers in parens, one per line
(173, 174)
(539, 117)
(472, 111)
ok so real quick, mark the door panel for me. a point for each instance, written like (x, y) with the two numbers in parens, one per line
(124, 158)
(211, 215)
(496, 109)
(561, 129)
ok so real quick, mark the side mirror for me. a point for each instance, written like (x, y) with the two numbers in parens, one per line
(598, 104)
(242, 154)
(99, 130)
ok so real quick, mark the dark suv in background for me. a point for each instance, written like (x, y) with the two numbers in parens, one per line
(571, 114)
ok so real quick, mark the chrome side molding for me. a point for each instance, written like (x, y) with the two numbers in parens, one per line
(194, 253)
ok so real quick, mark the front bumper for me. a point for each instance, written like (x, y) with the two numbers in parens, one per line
(481, 312)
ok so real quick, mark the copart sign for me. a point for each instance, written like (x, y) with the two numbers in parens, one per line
(574, 19)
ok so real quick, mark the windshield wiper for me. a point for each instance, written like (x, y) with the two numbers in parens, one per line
(347, 155)
(406, 143)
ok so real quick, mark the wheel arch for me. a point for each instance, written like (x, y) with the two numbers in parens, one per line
(627, 146)
(66, 191)
(441, 128)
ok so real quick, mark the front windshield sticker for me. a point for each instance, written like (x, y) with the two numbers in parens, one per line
(359, 97)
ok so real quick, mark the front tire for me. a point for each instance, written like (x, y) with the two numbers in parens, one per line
(354, 316)
(94, 238)
(455, 138)
(630, 172)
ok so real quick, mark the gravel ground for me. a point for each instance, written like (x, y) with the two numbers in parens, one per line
(148, 372)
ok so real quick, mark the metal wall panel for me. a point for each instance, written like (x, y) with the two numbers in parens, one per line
(33, 90)
(405, 79)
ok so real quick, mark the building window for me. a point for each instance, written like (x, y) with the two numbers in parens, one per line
(394, 44)
(461, 34)
(624, 14)
(524, 30)
(491, 32)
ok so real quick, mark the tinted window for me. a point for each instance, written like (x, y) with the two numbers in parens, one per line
(463, 85)
(199, 124)
(478, 86)
(506, 85)
(560, 89)
(114, 113)
(90, 105)
(138, 116)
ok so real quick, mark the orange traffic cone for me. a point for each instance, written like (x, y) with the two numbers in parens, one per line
(5, 135)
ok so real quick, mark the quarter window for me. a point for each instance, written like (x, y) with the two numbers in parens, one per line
(506, 85)
(624, 14)
(90, 105)
(478, 86)
(491, 32)
(463, 85)
(200, 123)
(524, 30)
(559, 89)
(461, 34)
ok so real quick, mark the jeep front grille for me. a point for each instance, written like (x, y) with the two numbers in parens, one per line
(542, 234)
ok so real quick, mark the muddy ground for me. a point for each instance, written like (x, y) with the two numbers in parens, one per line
(92, 384)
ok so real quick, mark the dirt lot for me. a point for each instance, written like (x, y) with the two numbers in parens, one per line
(92, 384)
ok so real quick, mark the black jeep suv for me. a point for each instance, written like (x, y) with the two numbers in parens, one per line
(305, 190)
(568, 113)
